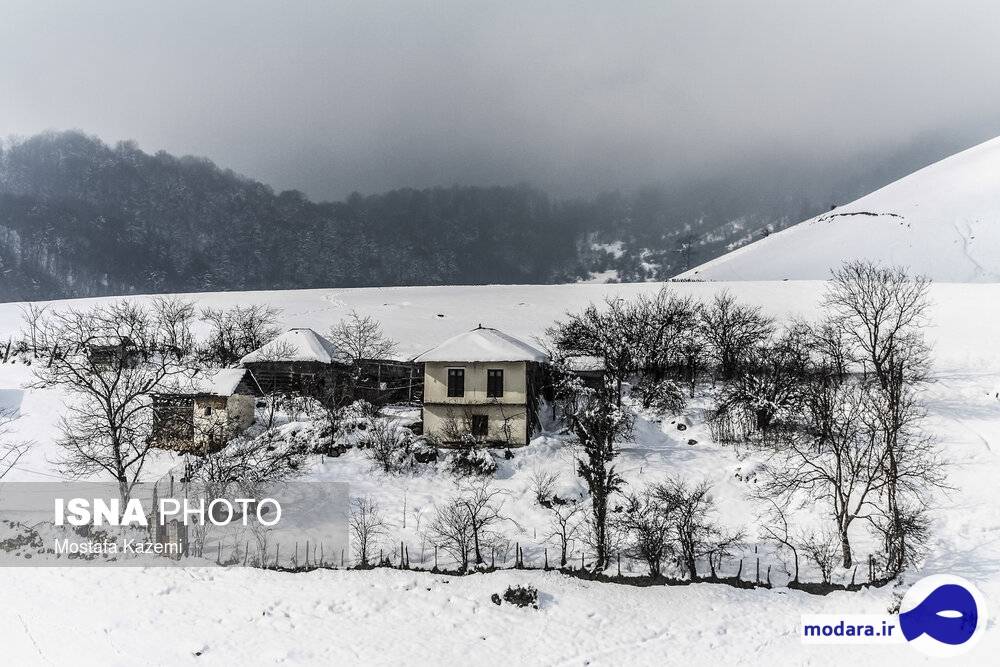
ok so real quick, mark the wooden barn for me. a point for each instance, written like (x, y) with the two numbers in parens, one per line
(483, 384)
(299, 361)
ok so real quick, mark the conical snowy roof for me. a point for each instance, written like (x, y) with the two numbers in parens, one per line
(297, 345)
(483, 344)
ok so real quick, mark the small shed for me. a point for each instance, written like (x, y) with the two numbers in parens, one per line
(202, 416)
(299, 361)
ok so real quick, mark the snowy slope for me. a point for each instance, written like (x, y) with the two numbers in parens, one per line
(942, 221)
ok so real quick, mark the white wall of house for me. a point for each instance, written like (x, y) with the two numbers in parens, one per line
(515, 381)
(507, 414)
(441, 420)
(221, 416)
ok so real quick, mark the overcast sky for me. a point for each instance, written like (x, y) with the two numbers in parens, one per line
(330, 97)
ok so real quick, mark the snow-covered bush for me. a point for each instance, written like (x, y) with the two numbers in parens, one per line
(424, 451)
(470, 460)
(389, 446)
(662, 396)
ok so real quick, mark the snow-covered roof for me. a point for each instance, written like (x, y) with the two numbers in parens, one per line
(483, 344)
(210, 382)
(297, 345)
(219, 382)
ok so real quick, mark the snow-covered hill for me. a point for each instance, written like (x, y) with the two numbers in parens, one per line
(942, 221)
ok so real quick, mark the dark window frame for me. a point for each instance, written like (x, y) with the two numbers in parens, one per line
(456, 382)
(480, 426)
(494, 376)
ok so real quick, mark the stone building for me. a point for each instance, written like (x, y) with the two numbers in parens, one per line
(201, 417)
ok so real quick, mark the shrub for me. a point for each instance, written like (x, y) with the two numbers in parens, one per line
(663, 396)
(522, 596)
(469, 461)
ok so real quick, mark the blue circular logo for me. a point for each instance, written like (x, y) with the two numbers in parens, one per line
(943, 615)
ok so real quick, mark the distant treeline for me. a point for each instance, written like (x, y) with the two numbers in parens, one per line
(81, 218)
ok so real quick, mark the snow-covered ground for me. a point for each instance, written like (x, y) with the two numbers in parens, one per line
(940, 221)
(245, 616)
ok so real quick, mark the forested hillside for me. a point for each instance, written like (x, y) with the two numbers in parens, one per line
(81, 218)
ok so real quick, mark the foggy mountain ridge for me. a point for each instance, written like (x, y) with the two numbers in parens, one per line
(79, 218)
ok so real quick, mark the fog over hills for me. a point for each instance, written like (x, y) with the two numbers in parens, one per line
(79, 217)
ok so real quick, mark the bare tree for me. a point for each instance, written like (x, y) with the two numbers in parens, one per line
(733, 331)
(10, 452)
(838, 462)
(361, 337)
(611, 334)
(173, 317)
(484, 503)
(767, 388)
(107, 359)
(881, 312)
(646, 522)
(565, 522)
(451, 530)
(387, 446)
(776, 530)
(32, 314)
(695, 534)
(543, 483)
(664, 326)
(237, 331)
(367, 527)
(822, 549)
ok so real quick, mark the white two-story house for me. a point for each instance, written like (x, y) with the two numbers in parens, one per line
(482, 384)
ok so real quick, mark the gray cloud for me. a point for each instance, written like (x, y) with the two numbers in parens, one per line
(331, 97)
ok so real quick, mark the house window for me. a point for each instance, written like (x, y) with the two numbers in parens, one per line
(456, 382)
(480, 426)
(208, 410)
(494, 383)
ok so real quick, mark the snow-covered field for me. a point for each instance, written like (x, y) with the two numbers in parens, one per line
(246, 616)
